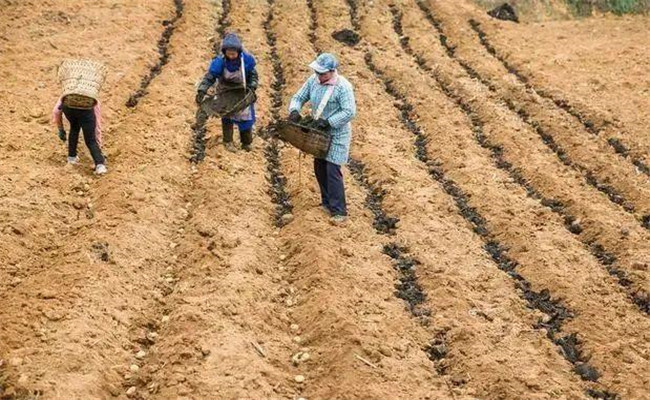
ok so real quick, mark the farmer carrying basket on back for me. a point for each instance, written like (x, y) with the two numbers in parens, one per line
(333, 108)
(235, 69)
(81, 81)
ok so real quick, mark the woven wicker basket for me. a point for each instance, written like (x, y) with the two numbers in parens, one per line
(82, 77)
(228, 100)
(305, 138)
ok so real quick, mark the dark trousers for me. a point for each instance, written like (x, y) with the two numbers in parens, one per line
(228, 129)
(330, 181)
(83, 120)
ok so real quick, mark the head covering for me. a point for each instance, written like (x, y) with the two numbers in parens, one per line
(231, 41)
(324, 62)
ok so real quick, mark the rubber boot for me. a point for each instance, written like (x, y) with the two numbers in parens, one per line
(247, 139)
(228, 130)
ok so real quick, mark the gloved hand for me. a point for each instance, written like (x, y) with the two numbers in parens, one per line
(62, 134)
(199, 96)
(322, 124)
(295, 116)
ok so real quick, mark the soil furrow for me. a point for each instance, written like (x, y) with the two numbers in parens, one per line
(511, 217)
(43, 203)
(556, 313)
(637, 293)
(621, 185)
(616, 143)
(227, 334)
(458, 358)
(272, 151)
(163, 50)
(76, 344)
(340, 300)
(592, 220)
(199, 127)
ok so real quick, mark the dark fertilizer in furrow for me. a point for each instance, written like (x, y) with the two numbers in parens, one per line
(163, 51)
(638, 296)
(277, 180)
(408, 288)
(313, 25)
(198, 127)
(374, 198)
(222, 25)
(547, 138)
(616, 144)
(555, 313)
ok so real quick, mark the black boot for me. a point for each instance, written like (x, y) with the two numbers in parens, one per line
(228, 129)
(247, 139)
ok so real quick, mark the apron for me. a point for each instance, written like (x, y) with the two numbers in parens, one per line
(238, 77)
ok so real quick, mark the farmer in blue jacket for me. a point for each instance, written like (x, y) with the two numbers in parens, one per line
(227, 67)
(333, 107)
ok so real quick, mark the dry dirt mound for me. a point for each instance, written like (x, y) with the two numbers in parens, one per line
(499, 193)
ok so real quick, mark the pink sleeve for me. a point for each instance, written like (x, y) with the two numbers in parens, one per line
(57, 114)
(98, 122)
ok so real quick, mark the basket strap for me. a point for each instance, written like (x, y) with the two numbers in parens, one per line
(243, 72)
(324, 101)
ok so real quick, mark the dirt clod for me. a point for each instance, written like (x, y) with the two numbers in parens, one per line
(504, 12)
(347, 36)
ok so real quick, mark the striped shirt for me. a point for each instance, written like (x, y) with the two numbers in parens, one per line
(340, 110)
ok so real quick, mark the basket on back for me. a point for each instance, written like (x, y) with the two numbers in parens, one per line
(228, 100)
(81, 81)
(305, 138)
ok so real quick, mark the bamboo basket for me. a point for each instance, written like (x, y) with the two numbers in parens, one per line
(305, 138)
(82, 77)
(228, 100)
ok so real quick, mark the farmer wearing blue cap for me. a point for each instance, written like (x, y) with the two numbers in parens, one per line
(333, 108)
(234, 66)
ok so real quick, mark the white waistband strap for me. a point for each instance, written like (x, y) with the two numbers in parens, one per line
(243, 72)
(324, 101)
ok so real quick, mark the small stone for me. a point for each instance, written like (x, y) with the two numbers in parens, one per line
(165, 318)
(134, 368)
(16, 361)
(299, 378)
(283, 257)
(141, 354)
(385, 351)
(113, 390)
(183, 390)
(639, 266)
(205, 351)
(22, 381)
(286, 218)
(458, 379)
(131, 391)
(47, 294)
(297, 339)
(289, 302)
(294, 327)
(304, 357)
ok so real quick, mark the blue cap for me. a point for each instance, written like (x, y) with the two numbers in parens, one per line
(324, 62)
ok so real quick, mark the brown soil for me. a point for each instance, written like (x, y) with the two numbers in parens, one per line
(497, 245)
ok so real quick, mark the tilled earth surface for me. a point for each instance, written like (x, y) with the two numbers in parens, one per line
(498, 241)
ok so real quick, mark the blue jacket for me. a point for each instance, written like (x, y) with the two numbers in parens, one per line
(218, 64)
